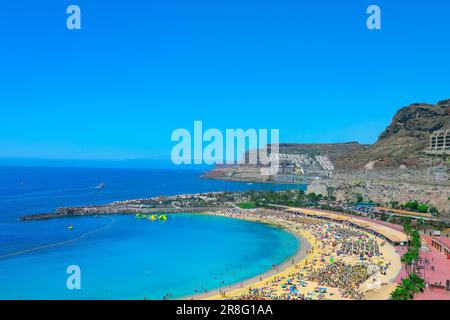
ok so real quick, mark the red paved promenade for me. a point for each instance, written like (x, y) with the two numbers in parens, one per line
(436, 270)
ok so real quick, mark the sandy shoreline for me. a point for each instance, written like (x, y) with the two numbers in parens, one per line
(290, 262)
(306, 259)
(318, 247)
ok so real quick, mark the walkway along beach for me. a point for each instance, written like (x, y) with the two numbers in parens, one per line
(340, 257)
(341, 262)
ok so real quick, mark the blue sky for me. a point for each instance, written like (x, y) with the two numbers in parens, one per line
(140, 69)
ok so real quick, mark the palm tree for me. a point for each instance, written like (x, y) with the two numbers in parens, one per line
(408, 260)
(407, 228)
(418, 282)
(400, 293)
(408, 287)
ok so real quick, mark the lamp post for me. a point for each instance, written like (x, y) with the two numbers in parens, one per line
(424, 249)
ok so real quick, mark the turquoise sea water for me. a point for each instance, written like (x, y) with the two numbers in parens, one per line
(121, 257)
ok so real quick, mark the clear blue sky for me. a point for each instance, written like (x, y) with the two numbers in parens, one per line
(139, 69)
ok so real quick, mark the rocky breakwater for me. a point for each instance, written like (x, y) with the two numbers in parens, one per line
(81, 211)
(108, 209)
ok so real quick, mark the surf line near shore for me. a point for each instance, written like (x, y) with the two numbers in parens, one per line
(305, 264)
(289, 265)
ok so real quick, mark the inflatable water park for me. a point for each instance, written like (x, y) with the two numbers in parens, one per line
(153, 217)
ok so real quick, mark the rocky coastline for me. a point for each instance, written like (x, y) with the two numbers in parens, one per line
(107, 209)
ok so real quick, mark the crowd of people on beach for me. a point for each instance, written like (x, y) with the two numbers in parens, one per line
(361, 248)
(343, 258)
(343, 276)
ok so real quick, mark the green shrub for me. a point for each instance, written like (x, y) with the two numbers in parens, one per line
(246, 205)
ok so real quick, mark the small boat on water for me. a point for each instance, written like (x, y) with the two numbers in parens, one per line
(70, 227)
(100, 186)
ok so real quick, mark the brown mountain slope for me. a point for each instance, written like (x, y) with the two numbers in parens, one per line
(332, 150)
(404, 140)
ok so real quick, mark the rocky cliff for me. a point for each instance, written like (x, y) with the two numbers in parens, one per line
(403, 141)
(332, 150)
(395, 168)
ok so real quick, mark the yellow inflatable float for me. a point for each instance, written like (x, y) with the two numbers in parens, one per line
(152, 217)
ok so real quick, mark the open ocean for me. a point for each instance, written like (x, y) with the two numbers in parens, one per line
(121, 257)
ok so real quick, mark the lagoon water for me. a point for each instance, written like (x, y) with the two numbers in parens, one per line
(121, 257)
